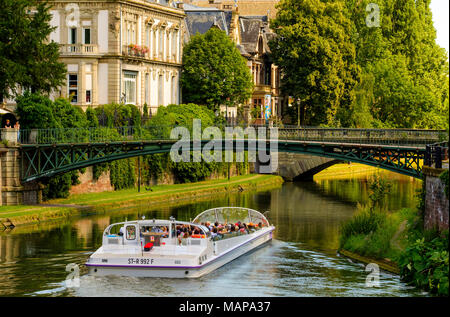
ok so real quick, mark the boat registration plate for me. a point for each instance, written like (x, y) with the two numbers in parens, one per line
(140, 261)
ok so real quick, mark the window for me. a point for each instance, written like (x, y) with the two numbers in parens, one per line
(147, 83)
(88, 84)
(72, 36)
(147, 36)
(88, 96)
(161, 43)
(174, 44)
(174, 90)
(130, 87)
(131, 232)
(73, 87)
(161, 90)
(87, 36)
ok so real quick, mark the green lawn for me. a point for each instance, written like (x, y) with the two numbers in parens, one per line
(22, 210)
(159, 192)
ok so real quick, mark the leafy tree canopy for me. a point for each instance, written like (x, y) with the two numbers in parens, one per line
(214, 72)
(313, 48)
(321, 46)
(408, 71)
(27, 59)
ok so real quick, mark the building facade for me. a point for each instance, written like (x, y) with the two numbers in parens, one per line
(119, 51)
(251, 35)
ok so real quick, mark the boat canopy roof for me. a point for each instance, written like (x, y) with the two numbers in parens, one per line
(231, 215)
(153, 222)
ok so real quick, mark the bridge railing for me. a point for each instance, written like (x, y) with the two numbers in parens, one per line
(404, 137)
(364, 136)
(435, 154)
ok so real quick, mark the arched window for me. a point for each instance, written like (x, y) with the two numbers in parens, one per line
(260, 46)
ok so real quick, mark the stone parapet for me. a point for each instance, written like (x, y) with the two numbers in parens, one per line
(436, 202)
(12, 191)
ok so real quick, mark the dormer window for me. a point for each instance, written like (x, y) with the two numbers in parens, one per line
(260, 46)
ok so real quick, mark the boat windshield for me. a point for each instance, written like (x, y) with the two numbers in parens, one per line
(231, 215)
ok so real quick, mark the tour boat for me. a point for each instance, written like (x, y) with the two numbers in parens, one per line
(160, 248)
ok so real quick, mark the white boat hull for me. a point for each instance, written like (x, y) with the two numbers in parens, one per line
(186, 271)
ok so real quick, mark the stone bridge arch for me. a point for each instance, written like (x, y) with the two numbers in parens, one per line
(295, 166)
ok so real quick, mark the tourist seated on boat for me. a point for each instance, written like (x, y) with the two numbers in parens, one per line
(251, 227)
(183, 239)
(156, 229)
(214, 233)
(225, 229)
(243, 229)
(165, 232)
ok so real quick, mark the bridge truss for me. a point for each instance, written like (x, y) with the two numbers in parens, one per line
(46, 160)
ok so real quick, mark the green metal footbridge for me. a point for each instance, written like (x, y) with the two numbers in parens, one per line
(47, 152)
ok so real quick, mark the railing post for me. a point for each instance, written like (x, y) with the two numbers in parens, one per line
(427, 159)
(438, 162)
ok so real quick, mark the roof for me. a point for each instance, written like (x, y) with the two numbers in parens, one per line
(250, 28)
(202, 21)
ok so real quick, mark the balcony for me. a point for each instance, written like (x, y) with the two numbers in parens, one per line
(135, 51)
(262, 89)
(78, 49)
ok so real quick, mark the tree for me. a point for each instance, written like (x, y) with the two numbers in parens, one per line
(27, 59)
(214, 72)
(405, 73)
(36, 112)
(315, 53)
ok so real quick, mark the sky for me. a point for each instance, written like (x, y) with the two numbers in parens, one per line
(439, 9)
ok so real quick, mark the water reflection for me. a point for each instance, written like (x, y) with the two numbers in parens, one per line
(300, 262)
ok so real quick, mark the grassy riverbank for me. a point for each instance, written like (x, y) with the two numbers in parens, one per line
(397, 242)
(104, 201)
(379, 236)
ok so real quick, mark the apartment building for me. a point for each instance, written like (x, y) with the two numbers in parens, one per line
(119, 51)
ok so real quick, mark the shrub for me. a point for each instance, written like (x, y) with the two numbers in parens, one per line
(425, 263)
(364, 222)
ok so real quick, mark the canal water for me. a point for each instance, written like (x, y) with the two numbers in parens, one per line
(301, 261)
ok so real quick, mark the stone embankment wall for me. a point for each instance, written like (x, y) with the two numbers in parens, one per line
(89, 185)
(436, 202)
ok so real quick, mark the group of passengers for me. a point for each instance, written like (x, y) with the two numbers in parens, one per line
(218, 230)
(161, 230)
(228, 230)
